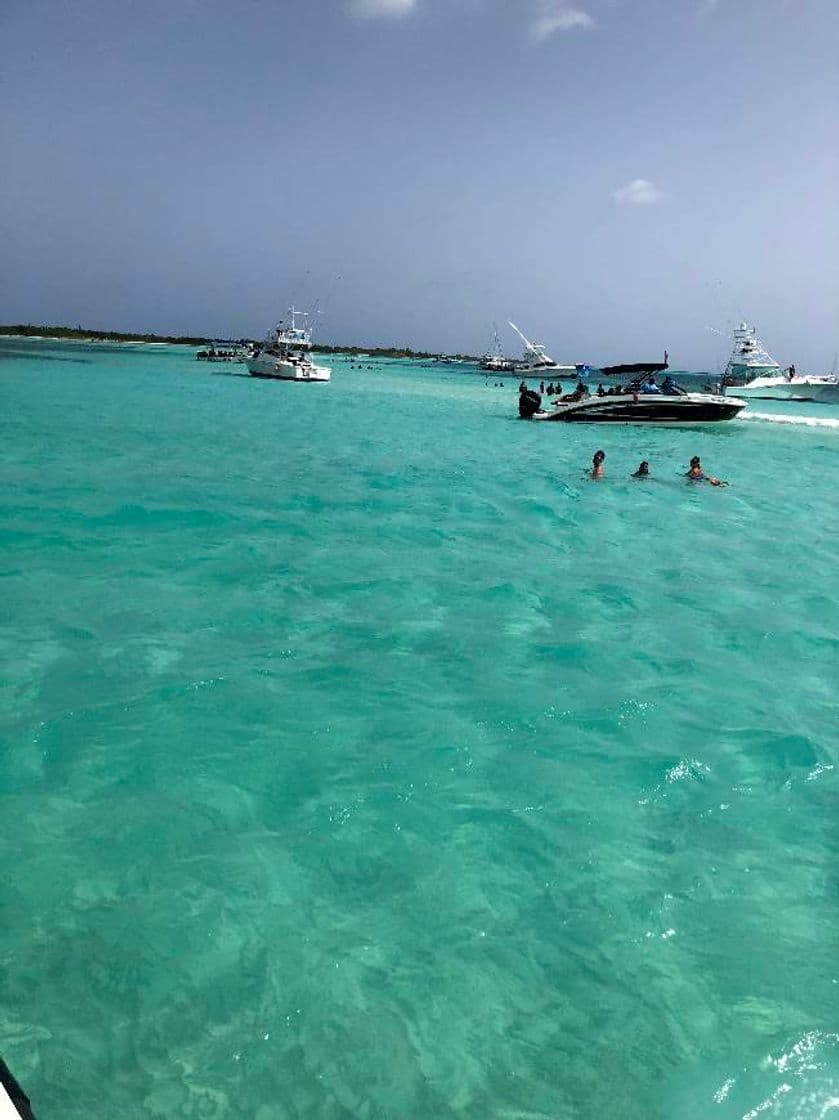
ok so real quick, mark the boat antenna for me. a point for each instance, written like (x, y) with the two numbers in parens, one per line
(298, 290)
(526, 341)
(726, 301)
(325, 302)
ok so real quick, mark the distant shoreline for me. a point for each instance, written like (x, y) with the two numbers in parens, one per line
(81, 334)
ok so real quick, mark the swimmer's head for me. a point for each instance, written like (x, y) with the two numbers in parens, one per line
(599, 456)
(695, 461)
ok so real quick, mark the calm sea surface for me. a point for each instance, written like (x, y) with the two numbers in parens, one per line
(362, 758)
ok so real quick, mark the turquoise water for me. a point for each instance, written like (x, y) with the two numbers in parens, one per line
(364, 759)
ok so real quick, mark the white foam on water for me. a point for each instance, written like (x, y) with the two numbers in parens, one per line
(779, 418)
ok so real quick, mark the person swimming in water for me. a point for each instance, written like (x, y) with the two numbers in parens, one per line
(597, 469)
(696, 473)
(643, 470)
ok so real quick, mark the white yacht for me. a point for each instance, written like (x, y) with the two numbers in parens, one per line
(757, 376)
(790, 386)
(749, 359)
(285, 354)
(494, 360)
(535, 358)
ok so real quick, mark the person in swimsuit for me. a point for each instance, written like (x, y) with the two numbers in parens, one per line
(597, 470)
(643, 470)
(696, 473)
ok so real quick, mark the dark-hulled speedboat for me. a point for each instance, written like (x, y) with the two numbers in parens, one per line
(631, 405)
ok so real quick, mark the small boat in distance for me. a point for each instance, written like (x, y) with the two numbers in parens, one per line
(224, 351)
(284, 356)
(494, 360)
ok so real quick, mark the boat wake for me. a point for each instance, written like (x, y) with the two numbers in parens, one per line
(779, 418)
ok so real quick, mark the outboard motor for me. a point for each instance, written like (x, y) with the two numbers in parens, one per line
(529, 402)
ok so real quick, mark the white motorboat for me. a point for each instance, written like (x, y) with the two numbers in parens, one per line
(749, 358)
(632, 405)
(535, 358)
(494, 360)
(792, 387)
(284, 356)
(757, 376)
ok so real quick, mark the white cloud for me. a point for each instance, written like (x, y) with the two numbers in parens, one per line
(373, 9)
(640, 192)
(556, 15)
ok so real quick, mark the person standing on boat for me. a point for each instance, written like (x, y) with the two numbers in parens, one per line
(791, 372)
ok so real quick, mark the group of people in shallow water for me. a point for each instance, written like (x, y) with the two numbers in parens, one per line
(668, 388)
(552, 390)
(694, 473)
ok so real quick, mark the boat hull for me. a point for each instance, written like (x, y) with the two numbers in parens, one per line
(531, 371)
(799, 389)
(275, 369)
(687, 408)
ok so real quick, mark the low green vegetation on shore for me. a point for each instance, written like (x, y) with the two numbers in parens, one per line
(385, 352)
(83, 334)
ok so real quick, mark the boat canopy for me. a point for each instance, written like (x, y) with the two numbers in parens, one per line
(634, 369)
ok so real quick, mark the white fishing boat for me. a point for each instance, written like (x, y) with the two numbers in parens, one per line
(749, 358)
(791, 386)
(494, 361)
(757, 376)
(535, 358)
(284, 356)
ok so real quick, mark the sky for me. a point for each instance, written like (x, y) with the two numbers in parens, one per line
(618, 177)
